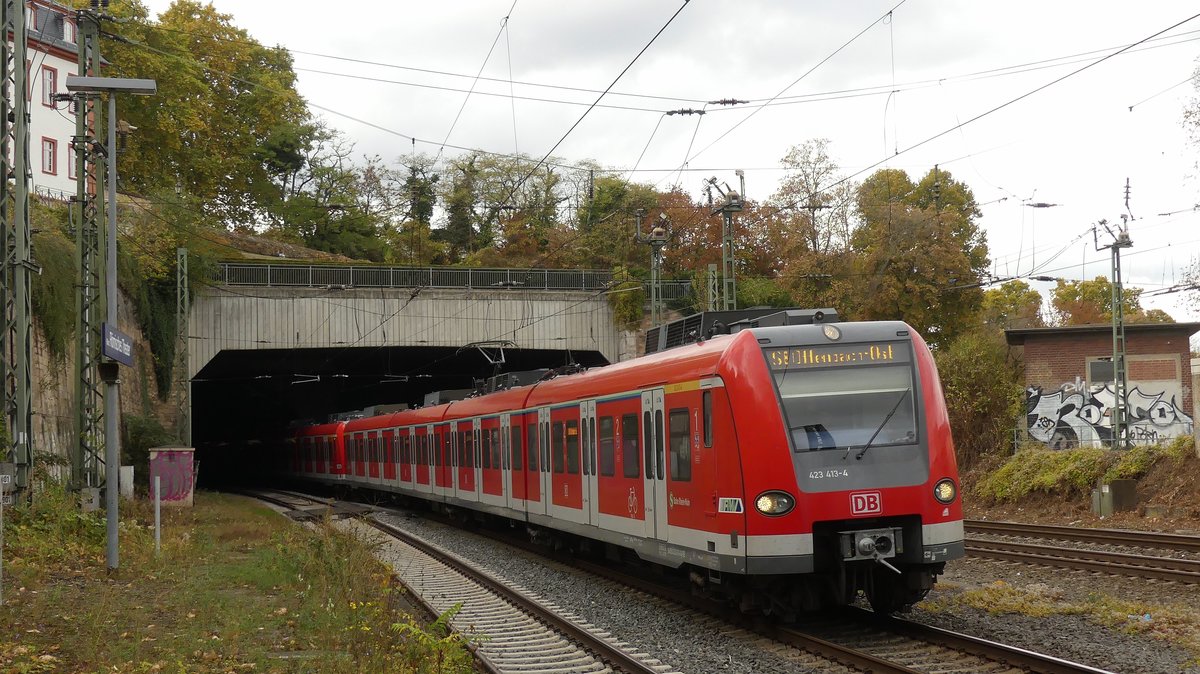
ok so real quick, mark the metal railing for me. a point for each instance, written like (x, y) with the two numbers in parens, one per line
(470, 278)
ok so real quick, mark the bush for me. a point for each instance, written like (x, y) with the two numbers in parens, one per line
(53, 291)
(983, 394)
(1073, 472)
(139, 435)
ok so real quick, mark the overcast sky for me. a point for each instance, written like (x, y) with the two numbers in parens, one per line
(929, 68)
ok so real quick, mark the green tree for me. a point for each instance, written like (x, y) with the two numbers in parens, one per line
(1087, 302)
(982, 384)
(1013, 305)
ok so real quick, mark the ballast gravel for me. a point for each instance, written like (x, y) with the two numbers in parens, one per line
(700, 646)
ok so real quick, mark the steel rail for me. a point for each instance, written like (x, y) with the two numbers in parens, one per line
(607, 652)
(1019, 658)
(1145, 539)
(1122, 564)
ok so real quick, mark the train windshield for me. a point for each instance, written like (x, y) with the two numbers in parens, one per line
(838, 397)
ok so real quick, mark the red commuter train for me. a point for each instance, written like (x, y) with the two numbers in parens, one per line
(784, 468)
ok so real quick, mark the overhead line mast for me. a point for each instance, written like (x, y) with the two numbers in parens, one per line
(16, 380)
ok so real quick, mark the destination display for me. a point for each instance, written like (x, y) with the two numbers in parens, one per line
(833, 355)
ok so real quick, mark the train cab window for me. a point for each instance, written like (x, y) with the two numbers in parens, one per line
(658, 445)
(629, 446)
(487, 449)
(573, 447)
(515, 446)
(497, 449)
(648, 444)
(608, 459)
(706, 412)
(531, 446)
(681, 445)
(556, 446)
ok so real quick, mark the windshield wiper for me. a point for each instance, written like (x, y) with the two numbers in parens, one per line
(859, 456)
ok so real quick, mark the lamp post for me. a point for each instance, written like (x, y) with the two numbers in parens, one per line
(115, 346)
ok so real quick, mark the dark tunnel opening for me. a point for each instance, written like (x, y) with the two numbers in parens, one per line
(243, 402)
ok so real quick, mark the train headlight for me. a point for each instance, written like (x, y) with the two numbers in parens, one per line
(945, 491)
(774, 503)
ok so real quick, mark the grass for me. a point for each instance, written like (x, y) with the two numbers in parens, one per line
(237, 588)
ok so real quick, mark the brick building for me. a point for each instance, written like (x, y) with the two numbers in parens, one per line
(1068, 382)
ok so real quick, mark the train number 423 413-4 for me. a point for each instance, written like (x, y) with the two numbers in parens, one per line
(828, 472)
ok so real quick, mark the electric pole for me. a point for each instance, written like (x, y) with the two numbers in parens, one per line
(183, 307)
(87, 447)
(658, 237)
(16, 379)
(1120, 416)
(732, 204)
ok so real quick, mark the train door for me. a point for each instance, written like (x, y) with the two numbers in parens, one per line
(373, 457)
(653, 447)
(420, 448)
(445, 458)
(506, 451)
(544, 474)
(591, 487)
(491, 464)
(465, 477)
(405, 452)
(387, 448)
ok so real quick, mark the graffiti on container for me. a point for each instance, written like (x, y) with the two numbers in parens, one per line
(174, 470)
(1076, 415)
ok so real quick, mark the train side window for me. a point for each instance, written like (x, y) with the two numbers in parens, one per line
(556, 446)
(630, 446)
(573, 447)
(648, 444)
(592, 439)
(497, 448)
(658, 445)
(706, 412)
(587, 448)
(477, 446)
(531, 446)
(608, 459)
(444, 447)
(545, 438)
(515, 445)
(487, 449)
(681, 445)
(435, 448)
(462, 448)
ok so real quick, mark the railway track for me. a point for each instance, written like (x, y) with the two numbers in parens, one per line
(1141, 539)
(522, 634)
(1068, 557)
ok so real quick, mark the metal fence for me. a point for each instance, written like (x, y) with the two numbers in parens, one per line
(363, 276)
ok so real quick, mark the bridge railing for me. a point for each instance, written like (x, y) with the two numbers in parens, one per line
(363, 276)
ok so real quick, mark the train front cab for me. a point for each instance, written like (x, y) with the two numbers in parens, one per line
(852, 484)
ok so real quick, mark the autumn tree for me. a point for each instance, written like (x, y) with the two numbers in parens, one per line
(1013, 305)
(223, 101)
(1087, 302)
(920, 253)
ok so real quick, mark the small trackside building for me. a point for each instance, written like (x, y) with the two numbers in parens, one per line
(1069, 382)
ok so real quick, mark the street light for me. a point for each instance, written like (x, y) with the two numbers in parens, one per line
(123, 345)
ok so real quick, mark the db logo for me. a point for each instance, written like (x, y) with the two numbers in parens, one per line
(866, 503)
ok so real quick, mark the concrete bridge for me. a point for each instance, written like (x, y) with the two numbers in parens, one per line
(254, 306)
(272, 343)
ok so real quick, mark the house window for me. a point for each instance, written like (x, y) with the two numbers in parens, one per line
(49, 85)
(49, 156)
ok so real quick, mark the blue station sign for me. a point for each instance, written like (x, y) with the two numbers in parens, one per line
(117, 345)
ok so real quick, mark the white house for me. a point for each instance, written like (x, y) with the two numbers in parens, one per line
(53, 55)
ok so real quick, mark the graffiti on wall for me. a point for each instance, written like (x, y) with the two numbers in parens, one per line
(176, 474)
(1081, 416)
